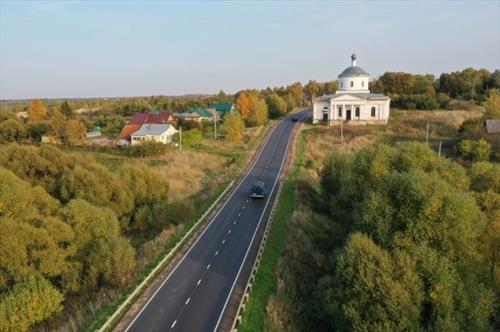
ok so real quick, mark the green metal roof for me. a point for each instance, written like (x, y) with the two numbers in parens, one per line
(203, 112)
(222, 107)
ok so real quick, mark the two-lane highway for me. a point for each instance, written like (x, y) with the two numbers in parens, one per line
(195, 294)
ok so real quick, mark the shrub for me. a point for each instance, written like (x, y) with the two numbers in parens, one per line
(146, 149)
(475, 150)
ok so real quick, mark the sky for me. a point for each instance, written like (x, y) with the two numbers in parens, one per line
(59, 49)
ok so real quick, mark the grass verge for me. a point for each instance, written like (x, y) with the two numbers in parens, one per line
(265, 283)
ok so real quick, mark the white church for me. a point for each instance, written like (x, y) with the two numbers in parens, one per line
(352, 102)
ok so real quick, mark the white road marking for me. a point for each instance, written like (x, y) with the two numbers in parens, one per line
(239, 214)
(187, 301)
(229, 232)
(208, 266)
(198, 283)
(217, 252)
(223, 241)
(234, 222)
(173, 324)
(247, 200)
(243, 207)
(254, 164)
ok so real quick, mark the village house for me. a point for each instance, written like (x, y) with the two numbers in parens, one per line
(352, 102)
(197, 114)
(153, 132)
(221, 109)
(135, 123)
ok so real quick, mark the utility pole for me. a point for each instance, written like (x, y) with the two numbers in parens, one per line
(341, 131)
(180, 138)
(439, 151)
(427, 134)
(215, 124)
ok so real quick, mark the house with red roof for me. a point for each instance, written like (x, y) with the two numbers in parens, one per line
(137, 121)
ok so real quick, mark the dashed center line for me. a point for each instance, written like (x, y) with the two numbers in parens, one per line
(234, 222)
(217, 252)
(198, 283)
(239, 214)
(223, 241)
(187, 301)
(229, 232)
(173, 324)
(208, 266)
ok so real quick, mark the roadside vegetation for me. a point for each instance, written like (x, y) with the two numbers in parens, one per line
(80, 224)
(388, 234)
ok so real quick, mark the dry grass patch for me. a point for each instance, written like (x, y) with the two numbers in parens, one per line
(187, 172)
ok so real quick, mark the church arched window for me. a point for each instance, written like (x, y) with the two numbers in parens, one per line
(373, 112)
(357, 112)
(352, 84)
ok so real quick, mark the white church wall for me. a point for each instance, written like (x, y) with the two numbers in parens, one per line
(360, 85)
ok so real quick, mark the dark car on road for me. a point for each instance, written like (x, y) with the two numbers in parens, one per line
(295, 119)
(258, 190)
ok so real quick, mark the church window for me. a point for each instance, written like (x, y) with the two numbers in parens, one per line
(340, 111)
(352, 84)
(373, 112)
(357, 112)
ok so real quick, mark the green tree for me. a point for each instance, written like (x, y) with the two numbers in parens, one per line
(373, 291)
(277, 106)
(105, 256)
(235, 127)
(475, 150)
(12, 130)
(260, 115)
(297, 92)
(66, 109)
(492, 105)
(29, 302)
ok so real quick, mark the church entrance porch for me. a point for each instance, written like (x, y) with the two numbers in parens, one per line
(348, 115)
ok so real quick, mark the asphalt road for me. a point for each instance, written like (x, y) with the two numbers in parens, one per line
(193, 297)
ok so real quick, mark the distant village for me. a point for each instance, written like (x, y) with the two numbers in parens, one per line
(153, 126)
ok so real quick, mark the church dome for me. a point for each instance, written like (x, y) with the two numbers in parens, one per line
(353, 70)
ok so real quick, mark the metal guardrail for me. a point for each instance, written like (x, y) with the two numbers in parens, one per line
(174, 250)
(161, 264)
(260, 252)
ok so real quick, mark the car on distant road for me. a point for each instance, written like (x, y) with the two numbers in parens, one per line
(258, 190)
(295, 119)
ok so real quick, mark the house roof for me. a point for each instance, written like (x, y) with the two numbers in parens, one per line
(222, 107)
(140, 118)
(203, 112)
(153, 129)
(192, 114)
(128, 130)
(492, 126)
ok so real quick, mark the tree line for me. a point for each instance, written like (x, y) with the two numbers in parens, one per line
(401, 240)
(67, 224)
(409, 91)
